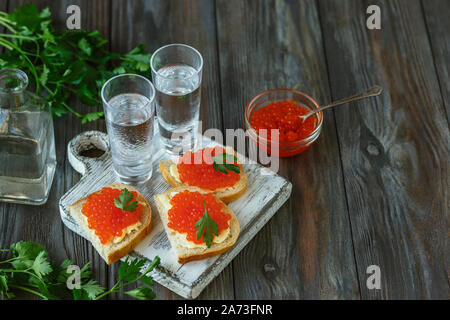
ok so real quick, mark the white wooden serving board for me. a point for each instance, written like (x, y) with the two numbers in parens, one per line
(265, 195)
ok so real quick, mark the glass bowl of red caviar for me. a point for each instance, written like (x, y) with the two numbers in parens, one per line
(272, 121)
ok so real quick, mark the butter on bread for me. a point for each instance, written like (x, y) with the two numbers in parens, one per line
(186, 250)
(169, 172)
(119, 246)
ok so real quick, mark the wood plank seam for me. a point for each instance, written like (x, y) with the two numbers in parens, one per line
(339, 149)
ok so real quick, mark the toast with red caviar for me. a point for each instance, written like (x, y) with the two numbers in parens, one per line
(92, 211)
(182, 209)
(227, 185)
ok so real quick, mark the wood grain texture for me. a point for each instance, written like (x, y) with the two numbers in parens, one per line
(157, 23)
(436, 17)
(394, 148)
(42, 224)
(305, 251)
(373, 189)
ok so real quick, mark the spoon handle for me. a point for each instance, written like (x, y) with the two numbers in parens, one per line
(371, 92)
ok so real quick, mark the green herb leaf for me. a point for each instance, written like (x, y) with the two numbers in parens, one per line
(92, 289)
(64, 63)
(35, 274)
(44, 75)
(80, 294)
(84, 45)
(206, 227)
(221, 162)
(26, 16)
(41, 265)
(92, 116)
(147, 280)
(141, 293)
(3, 284)
(124, 202)
(129, 270)
(25, 253)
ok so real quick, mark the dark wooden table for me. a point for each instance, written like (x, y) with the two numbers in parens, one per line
(374, 188)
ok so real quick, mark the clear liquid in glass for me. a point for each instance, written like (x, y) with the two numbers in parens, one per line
(130, 132)
(177, 105)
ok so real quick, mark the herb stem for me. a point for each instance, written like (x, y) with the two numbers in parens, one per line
(11, 46)
(28, 290)
(24, 271)
(116, 287)
(79, 115)
(16, 36)
(7, 24)
(107, 292)
(7, 261)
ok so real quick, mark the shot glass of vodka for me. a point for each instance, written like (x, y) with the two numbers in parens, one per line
(177, 76)
(128, 102)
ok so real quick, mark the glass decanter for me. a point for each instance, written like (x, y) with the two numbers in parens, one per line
(27, 142)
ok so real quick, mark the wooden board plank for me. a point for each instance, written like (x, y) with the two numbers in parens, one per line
(394, 148)
(42, 224)
(436, 17)
(305, 251)
(157, 23)
(264, 195)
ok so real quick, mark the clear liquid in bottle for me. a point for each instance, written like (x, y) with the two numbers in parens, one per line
(27, 144)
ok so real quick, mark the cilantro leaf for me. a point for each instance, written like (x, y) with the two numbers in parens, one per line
(25, 252)
(206, 227)
(92, 289)
(32, 272)
(129, 270)
(92, 116)
(84, 45)
(62, 63)
(124, 202)
(147, 280)
(141, 293)
(80, 294)
(41, 265)
(26, 16)
(221, 162)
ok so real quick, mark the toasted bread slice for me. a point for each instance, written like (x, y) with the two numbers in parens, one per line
(227, 195)
(111, 252)
(183, 253)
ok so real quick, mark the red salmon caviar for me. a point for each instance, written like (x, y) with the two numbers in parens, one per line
(195, 169)
(105, 218)
(283, 115)
(187, 208)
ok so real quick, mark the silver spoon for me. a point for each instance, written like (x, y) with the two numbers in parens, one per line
(371, 92)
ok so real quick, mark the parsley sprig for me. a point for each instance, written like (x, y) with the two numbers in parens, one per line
(30, 270)
(130, 272)
(206, 227)
(124, 202)
(221, 162)
(63, 63)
